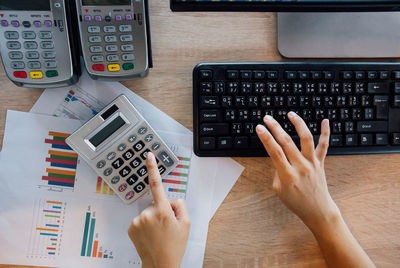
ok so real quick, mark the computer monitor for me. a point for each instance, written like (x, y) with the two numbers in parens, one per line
(322, 28)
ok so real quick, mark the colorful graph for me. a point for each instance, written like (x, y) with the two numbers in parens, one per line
(90, 243)
(47, 229)
(177, 180)
(79, 104)
(62, 163)
(102, 187)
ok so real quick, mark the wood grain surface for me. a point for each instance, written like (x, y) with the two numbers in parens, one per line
(253, 228)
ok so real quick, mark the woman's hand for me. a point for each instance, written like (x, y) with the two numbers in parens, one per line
(161, 231)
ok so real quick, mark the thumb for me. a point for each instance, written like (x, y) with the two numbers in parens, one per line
(180, 210)
(276, 184)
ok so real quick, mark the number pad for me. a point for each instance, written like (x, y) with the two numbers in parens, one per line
(30, 45)
(139, 187)
(128, 154)
(118, 163)
(142, 171)
(125, 171)
(138, 146)
(110, 38)
(136, 162)
(132, 179)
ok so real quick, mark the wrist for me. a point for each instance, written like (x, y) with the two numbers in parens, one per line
(329, 224)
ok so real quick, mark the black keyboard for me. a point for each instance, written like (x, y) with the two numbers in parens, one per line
(361, 100)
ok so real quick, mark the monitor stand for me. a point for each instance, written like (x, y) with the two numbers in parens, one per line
(339, 35)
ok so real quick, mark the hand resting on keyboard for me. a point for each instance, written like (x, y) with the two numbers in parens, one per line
(300, 183)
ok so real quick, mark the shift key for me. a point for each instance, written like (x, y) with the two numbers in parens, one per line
(214, 129)
(372, 126)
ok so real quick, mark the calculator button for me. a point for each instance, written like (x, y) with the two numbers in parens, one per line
(13, 45)
(111, 156)
(136, 162)
(47, 44)
(98, 67)
(138, 146)
(109, 29)
(132, 179)
(142, 130)
(87, 18)
(121, 147)
(48, 23)
(127, 47)
(107, 172)
(11, 35)
(26, 24)
(45, 35)
(107, 18)
(155, 146)
(125, 171)
(113, 67)
(132, 138)
(17, 65)
(128, 154)
(51, 73)
(139, 187)
(128, 66)
(118, 17)
(161, 169)
(126, 38)
(36, 74)
(127, 57)
(110, 38)
(96, 49)
(115, 180)
(95, 39)
(30, 45)
(49, 54)
(146, 180)
(144, 154)
(4, 23)
(37, 23)
(117, 163)
(128, 16)
(15, 23)
(15, 55)
(34, 65)
(166, 158)
(122, 187)
(97, 58)
(101, 164)
(93, 29)
(20, 74)
(149, 138)
(125, 28)
(32, 55)
(112, 57)
(142, 171)
(28, 35)
(50, 64)
(111, 48)
(129, 195)
(97, 18)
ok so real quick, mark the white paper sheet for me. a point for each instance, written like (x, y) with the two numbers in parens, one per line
(42, 224)
(88, 95)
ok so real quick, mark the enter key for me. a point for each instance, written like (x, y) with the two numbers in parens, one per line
(381, 102)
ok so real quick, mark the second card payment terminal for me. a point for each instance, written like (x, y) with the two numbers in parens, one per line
(114, 38)
(36, 43)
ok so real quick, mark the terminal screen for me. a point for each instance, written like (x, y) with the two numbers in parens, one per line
(24, 4)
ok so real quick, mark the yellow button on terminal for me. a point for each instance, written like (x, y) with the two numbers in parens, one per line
(113, 67)
(36, 75)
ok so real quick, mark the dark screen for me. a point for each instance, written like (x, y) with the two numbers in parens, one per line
(107, 131)
(105, 2)
(24, 4)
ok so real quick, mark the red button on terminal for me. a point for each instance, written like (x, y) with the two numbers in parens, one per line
(20, 74)
(98, 67)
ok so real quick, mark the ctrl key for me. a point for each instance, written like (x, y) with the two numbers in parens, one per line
(207, 143)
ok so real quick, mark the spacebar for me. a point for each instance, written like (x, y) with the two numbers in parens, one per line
(372, 126)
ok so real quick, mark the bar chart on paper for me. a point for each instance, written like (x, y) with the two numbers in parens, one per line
(47, 229)
(102, 187)
(61, 163)
(176, 181)
(78, 104)
(91, 245)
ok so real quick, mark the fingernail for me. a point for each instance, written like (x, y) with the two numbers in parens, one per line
(292, 114)
(150, 155)
(268, 118)
(260, 129)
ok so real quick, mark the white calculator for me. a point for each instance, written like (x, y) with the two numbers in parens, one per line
(115, 144)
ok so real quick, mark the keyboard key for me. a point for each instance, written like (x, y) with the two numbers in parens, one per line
(372, 126)
(381, 139)
(232, 74)
(291, 75)
(207, 143)
(366, 139)
(214, 129)
(396, 139)
(136, 162)
(139, 187)
(125, 171)
(241, 142)
(165, 158)
(245, 74)
(259, 74)
(210, 115)
(378, 88)
(336, 140)
(351, 140)
(346, 75)
(225, 142)
(209, 102)
(272, 74)
(142, 171)
(381, 103)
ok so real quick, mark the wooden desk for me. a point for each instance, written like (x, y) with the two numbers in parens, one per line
(253, 228)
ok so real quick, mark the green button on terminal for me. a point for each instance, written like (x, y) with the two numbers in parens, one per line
(52, 73)
(128, 66)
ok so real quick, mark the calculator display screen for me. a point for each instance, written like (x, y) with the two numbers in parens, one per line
(107, 131)
(24, 4)
(105, 2)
